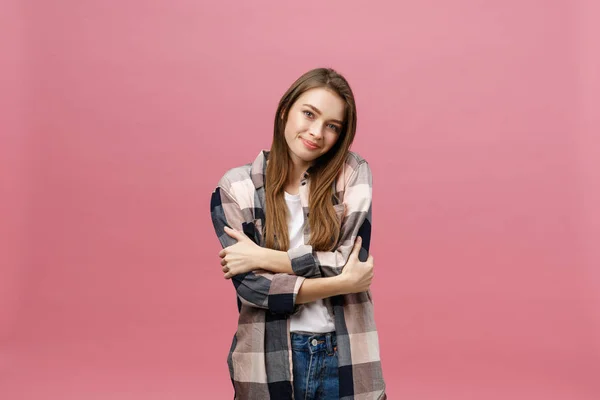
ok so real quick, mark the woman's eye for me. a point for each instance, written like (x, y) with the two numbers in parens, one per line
(334, 127)
(308, 113)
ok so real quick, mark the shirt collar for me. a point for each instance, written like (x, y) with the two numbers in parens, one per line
(259, 169)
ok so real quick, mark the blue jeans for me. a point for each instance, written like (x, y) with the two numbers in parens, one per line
(315, 366)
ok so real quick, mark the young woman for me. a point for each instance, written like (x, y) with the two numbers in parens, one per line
(295, 227)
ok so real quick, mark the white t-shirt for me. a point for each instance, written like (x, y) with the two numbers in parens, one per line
(314, 316)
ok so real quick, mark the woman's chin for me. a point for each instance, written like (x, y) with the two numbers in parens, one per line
(304, 155)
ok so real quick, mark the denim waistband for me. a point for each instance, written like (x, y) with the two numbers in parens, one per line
(314, 342)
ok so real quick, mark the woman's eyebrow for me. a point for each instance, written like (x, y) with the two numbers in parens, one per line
(315, 109)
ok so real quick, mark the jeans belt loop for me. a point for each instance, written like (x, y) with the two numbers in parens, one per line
(329, 343)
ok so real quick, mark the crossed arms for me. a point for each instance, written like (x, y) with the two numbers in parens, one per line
(280, 280)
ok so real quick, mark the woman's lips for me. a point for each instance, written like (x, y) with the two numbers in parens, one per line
(309, 145)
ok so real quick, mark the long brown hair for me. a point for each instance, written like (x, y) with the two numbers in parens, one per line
(324, 224)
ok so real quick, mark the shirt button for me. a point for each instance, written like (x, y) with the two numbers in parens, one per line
(314, 342)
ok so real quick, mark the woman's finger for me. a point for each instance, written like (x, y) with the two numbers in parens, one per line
(234, 233)
(356, 248)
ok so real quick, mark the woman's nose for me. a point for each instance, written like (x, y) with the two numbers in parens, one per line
(316, 130)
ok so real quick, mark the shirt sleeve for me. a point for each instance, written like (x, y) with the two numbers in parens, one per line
(356, 222)
(263, 289)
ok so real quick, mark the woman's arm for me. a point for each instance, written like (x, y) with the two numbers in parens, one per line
(303, 261)
(281, 292)
(356, 277)
(247, 256)
(319, 288)
(275, 292)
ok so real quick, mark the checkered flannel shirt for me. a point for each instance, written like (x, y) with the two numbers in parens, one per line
(260, 357)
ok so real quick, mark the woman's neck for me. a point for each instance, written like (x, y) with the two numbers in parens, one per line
(295, 173)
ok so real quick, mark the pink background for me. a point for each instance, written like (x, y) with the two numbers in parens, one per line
(479, 119)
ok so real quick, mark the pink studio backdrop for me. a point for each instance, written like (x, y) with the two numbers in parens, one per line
(480, 122)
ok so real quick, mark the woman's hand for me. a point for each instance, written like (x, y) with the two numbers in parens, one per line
(357, 275)
(242, 257)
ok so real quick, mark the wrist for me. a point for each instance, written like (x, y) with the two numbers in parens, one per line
(341, 283)
(262, 258)
(275, 261)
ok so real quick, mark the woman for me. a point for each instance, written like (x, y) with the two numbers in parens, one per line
(295, 228)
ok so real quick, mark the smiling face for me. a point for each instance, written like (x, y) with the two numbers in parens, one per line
(314, 125)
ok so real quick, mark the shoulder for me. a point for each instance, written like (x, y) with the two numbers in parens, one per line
(235, 174)
(353, 156)
(353, 160)
(355, 165)
(237, 182)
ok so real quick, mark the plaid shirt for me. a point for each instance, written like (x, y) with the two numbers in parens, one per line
(260, 358)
